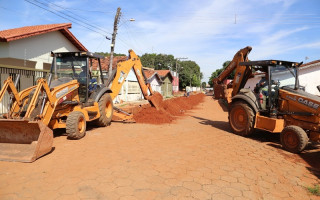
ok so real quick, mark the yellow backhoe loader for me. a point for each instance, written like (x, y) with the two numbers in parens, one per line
(68, 99)
(119, 76)
(277, 103)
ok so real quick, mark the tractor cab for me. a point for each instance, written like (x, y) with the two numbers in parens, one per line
(278, 75)
(67, 66)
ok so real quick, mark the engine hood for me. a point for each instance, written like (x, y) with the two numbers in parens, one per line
(302, 93)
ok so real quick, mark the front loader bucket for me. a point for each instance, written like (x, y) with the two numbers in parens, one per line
(24, 141)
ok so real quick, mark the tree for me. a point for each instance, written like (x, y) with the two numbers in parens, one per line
(148, 60)
(158, 61)
(216, 73)
(189, 71)
(203, 85)
(190, 74)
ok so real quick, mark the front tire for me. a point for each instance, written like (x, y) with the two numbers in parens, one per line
(293, 139)
(76, 125)
(241, 118)
(105, 109)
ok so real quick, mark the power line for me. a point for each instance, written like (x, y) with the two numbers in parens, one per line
(96, 11)
(66, 18)
(133, 40)
(71, 15)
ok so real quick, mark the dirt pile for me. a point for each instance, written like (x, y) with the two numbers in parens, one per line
(170, 110)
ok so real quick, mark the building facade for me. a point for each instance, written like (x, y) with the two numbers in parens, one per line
(166, 86)
(27, 51)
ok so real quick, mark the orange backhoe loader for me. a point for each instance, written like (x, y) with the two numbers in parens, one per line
(118, 78)
(68, 99)
(277, 104)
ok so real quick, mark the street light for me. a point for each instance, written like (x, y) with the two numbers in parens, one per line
(127, 20)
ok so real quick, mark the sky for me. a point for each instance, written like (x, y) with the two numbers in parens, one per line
(208, 32)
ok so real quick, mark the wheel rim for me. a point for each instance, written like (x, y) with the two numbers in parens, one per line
(108, 109)
(239, 118)
(81, 125)
(290, 140)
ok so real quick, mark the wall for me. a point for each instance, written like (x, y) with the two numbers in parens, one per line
(166, 87)
(309, 78)
(155, 84)
(4, 49)
(38, 48)
(130, 90)
(193, 89)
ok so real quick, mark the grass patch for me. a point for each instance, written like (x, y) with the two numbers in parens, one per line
(315, 190)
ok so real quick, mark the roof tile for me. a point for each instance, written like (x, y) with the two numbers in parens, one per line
(163, 73)
(28, 31)
(106, 61)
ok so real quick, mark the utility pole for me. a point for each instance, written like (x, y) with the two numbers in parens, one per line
(113, 41)
(177, 64)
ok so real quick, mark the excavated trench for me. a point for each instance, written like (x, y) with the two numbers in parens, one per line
(169, 109)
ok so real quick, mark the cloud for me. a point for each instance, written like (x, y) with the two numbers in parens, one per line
(279, 35)
(206, 32)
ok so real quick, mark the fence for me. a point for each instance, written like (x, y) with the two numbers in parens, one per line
(193, 89)
(28, 78)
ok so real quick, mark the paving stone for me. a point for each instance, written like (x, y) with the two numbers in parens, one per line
(200, 194)
(192, 185)
(221, 196)
(211, 189)
(196, 157)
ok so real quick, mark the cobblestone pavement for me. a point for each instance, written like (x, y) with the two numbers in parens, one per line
(196, 157)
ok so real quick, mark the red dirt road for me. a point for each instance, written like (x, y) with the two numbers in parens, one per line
(195, 157)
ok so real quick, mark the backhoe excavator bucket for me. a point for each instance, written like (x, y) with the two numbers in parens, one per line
(24, 141)
(156, 100)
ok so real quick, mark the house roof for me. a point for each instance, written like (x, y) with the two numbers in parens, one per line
(311, 63)
(150, 73)
(106, 61)
(163, 73)
(28, 31)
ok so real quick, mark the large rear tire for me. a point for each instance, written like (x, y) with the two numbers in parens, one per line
(105, 109)
(76, 125)
(294, 139)
(241, 118)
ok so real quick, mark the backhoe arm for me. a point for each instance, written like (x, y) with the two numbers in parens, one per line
(123, 69)
(220, 89)
(240, 56)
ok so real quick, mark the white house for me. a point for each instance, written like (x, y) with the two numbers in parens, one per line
(27, 51)
(130, 90)
(35, 43)
(309, 74)
(153, 79)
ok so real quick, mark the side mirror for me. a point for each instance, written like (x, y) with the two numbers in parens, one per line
(318, 87)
